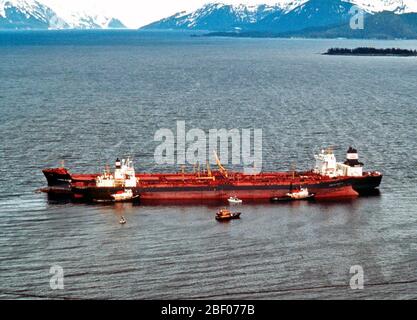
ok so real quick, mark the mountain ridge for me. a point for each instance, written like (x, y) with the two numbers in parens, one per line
(33, 14)
(308, 18)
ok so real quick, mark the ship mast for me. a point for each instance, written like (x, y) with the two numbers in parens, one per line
(209, 174)
(222, 169)
(293, 170)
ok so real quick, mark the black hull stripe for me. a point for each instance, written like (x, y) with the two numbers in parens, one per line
(214, 189)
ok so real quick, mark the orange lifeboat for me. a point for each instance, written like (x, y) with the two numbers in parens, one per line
(226, 215)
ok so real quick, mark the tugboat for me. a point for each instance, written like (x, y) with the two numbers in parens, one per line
(301, 194)
(235, 200)
(226, 215)
(122, 196)
(296, 195)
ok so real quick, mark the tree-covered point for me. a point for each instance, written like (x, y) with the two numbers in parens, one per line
(371, 51)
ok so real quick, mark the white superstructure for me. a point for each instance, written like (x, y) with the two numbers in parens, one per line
(124, 176)
(326, 164)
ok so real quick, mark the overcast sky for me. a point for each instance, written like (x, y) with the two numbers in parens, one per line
(136, 13)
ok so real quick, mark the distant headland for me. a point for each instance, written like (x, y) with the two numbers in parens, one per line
(365, 51)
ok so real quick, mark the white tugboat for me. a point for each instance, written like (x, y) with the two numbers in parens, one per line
(235, 200)
(124, 195)
(296, 195)
(301, 194)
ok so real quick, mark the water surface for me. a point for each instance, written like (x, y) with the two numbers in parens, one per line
(88, 97)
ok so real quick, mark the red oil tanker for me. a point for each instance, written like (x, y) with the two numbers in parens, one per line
(329, 179)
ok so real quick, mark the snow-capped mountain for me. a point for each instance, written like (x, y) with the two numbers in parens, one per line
(86, 19)
(83, 20)
(312, 13)
(289, 14)
(28, 14)
(33, 14)
(216, 17)
(396, 6)
(285, 16)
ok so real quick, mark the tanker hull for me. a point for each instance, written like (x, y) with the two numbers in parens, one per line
(322, 190)
(330, 179)
(367, 184)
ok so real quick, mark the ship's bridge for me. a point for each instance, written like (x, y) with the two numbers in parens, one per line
(124, 175)
(326, 164)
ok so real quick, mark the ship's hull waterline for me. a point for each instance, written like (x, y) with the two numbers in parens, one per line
(190, 187)
(329, 180)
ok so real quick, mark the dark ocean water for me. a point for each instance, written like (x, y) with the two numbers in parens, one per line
(88, 97)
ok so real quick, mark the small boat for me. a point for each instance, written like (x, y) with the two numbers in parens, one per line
(124, 195)
(235, 200)
(299, 194)
(122, 220)
(226, 215)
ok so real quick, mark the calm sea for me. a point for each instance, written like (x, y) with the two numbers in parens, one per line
(89, 97)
